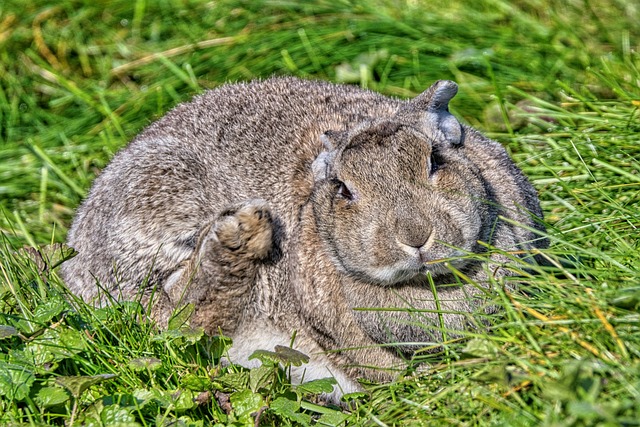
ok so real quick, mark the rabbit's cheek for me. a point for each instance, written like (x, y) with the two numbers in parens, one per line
(368, 255)
(465, 223)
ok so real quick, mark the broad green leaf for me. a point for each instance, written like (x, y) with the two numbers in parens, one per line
(497, 374)
(195, 382)
(245, 402)
(289, 355)
(290, 409)
(145, 363)
(103, 314)
(40, 354)
(180, 400)
(266, 357)
(235, 380)
(49, 309)
(24, 358)
(285, 355)
(282, 405)
(114, 415)
(124, 400)
(180, 316)
(478, 347)
(28, 327)
(584, 410)
(628, 298)
(183, 400)
(55, 345)
(557, 391)
(190, 335)
(168, 335)
(51, 396)
(260, 377)
(143, 396)
(356, 395)
(184, 421)
(92, 415)
(161, 397)
(69, 342)
(335, 419)
(78, 384)
(323, 385)
(7, 331)
(15, 381)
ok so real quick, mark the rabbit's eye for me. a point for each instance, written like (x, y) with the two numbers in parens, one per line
(343, 191)
(434, 163)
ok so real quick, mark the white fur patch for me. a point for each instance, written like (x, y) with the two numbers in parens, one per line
(263, 336)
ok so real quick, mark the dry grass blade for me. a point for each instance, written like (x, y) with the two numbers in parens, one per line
(205, 44)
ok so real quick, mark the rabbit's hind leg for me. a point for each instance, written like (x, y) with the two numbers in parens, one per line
(219, 276)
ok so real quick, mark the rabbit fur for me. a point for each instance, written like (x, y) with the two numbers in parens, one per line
(282, 205)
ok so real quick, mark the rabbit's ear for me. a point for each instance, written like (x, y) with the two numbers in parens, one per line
(322, 164)
(328, 140)
(435, 102)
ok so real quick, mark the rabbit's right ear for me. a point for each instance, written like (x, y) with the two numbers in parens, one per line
(435, 103)
(321, 166)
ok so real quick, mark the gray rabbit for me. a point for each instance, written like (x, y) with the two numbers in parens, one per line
(282, 205)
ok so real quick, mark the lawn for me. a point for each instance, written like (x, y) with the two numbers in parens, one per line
(557, 82)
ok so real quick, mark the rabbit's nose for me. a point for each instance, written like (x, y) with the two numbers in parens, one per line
(418, 241)
(418, 237)
(412, 228)
(419, 251)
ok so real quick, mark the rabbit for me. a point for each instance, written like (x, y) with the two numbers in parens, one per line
(285, 206)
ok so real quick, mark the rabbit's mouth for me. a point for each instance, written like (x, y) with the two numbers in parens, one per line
(432, 257)
(442, 266)
(410, 268)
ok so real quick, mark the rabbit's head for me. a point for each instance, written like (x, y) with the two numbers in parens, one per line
(396, 198)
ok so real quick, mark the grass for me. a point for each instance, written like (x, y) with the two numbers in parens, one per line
(556, 82)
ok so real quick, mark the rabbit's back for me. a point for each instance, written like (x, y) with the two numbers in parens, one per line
(256, 139)
(238, 142)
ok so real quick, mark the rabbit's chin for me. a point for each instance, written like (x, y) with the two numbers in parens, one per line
(409, 270)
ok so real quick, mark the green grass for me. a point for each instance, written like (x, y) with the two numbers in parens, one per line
(556, 82)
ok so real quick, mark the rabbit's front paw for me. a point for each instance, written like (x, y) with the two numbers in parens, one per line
(246, 229)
